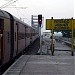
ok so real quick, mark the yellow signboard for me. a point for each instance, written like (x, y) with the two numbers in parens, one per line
(48, 24)
(59, 24)
(74, 24)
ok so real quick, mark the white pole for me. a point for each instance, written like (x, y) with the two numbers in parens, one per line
(40, 40)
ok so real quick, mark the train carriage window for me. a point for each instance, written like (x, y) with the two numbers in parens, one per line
(1, 24)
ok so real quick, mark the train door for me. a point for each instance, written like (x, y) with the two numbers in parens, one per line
(12, 38)
(17, 38)
(1, 39)
(25, 36)
(30, 35)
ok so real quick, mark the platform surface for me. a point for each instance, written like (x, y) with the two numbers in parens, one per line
(62, 63)
(43, 65)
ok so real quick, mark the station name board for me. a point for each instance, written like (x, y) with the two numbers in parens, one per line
(59, 24)
(63, 24)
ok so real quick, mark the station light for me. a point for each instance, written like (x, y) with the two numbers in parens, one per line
(39, 19)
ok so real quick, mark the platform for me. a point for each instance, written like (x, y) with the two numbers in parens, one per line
(43, 65)
(62, 63)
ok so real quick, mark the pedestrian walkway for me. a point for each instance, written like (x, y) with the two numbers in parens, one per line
(43, 65)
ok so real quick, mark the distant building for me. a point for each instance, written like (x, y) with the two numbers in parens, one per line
(46, 34)
(49, 34)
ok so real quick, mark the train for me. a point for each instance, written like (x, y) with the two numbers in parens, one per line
(15, 36)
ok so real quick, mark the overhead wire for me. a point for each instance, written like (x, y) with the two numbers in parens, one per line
(11, 2)
(28, 21)
(22, 12)
(7, 4)
(18, 7)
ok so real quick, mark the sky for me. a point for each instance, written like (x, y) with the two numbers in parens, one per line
(48, 8)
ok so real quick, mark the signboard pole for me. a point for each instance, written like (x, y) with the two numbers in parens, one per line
(72, 40)
(52, 35)
(52, 41)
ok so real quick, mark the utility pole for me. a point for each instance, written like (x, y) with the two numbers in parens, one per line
(39, 23)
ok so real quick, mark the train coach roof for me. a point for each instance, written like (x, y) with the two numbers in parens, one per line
(4, 14)
(8, 15)
(18, 20)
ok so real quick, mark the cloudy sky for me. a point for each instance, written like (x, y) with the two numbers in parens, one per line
(48, 8)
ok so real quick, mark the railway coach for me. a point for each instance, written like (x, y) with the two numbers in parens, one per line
(15, 36)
